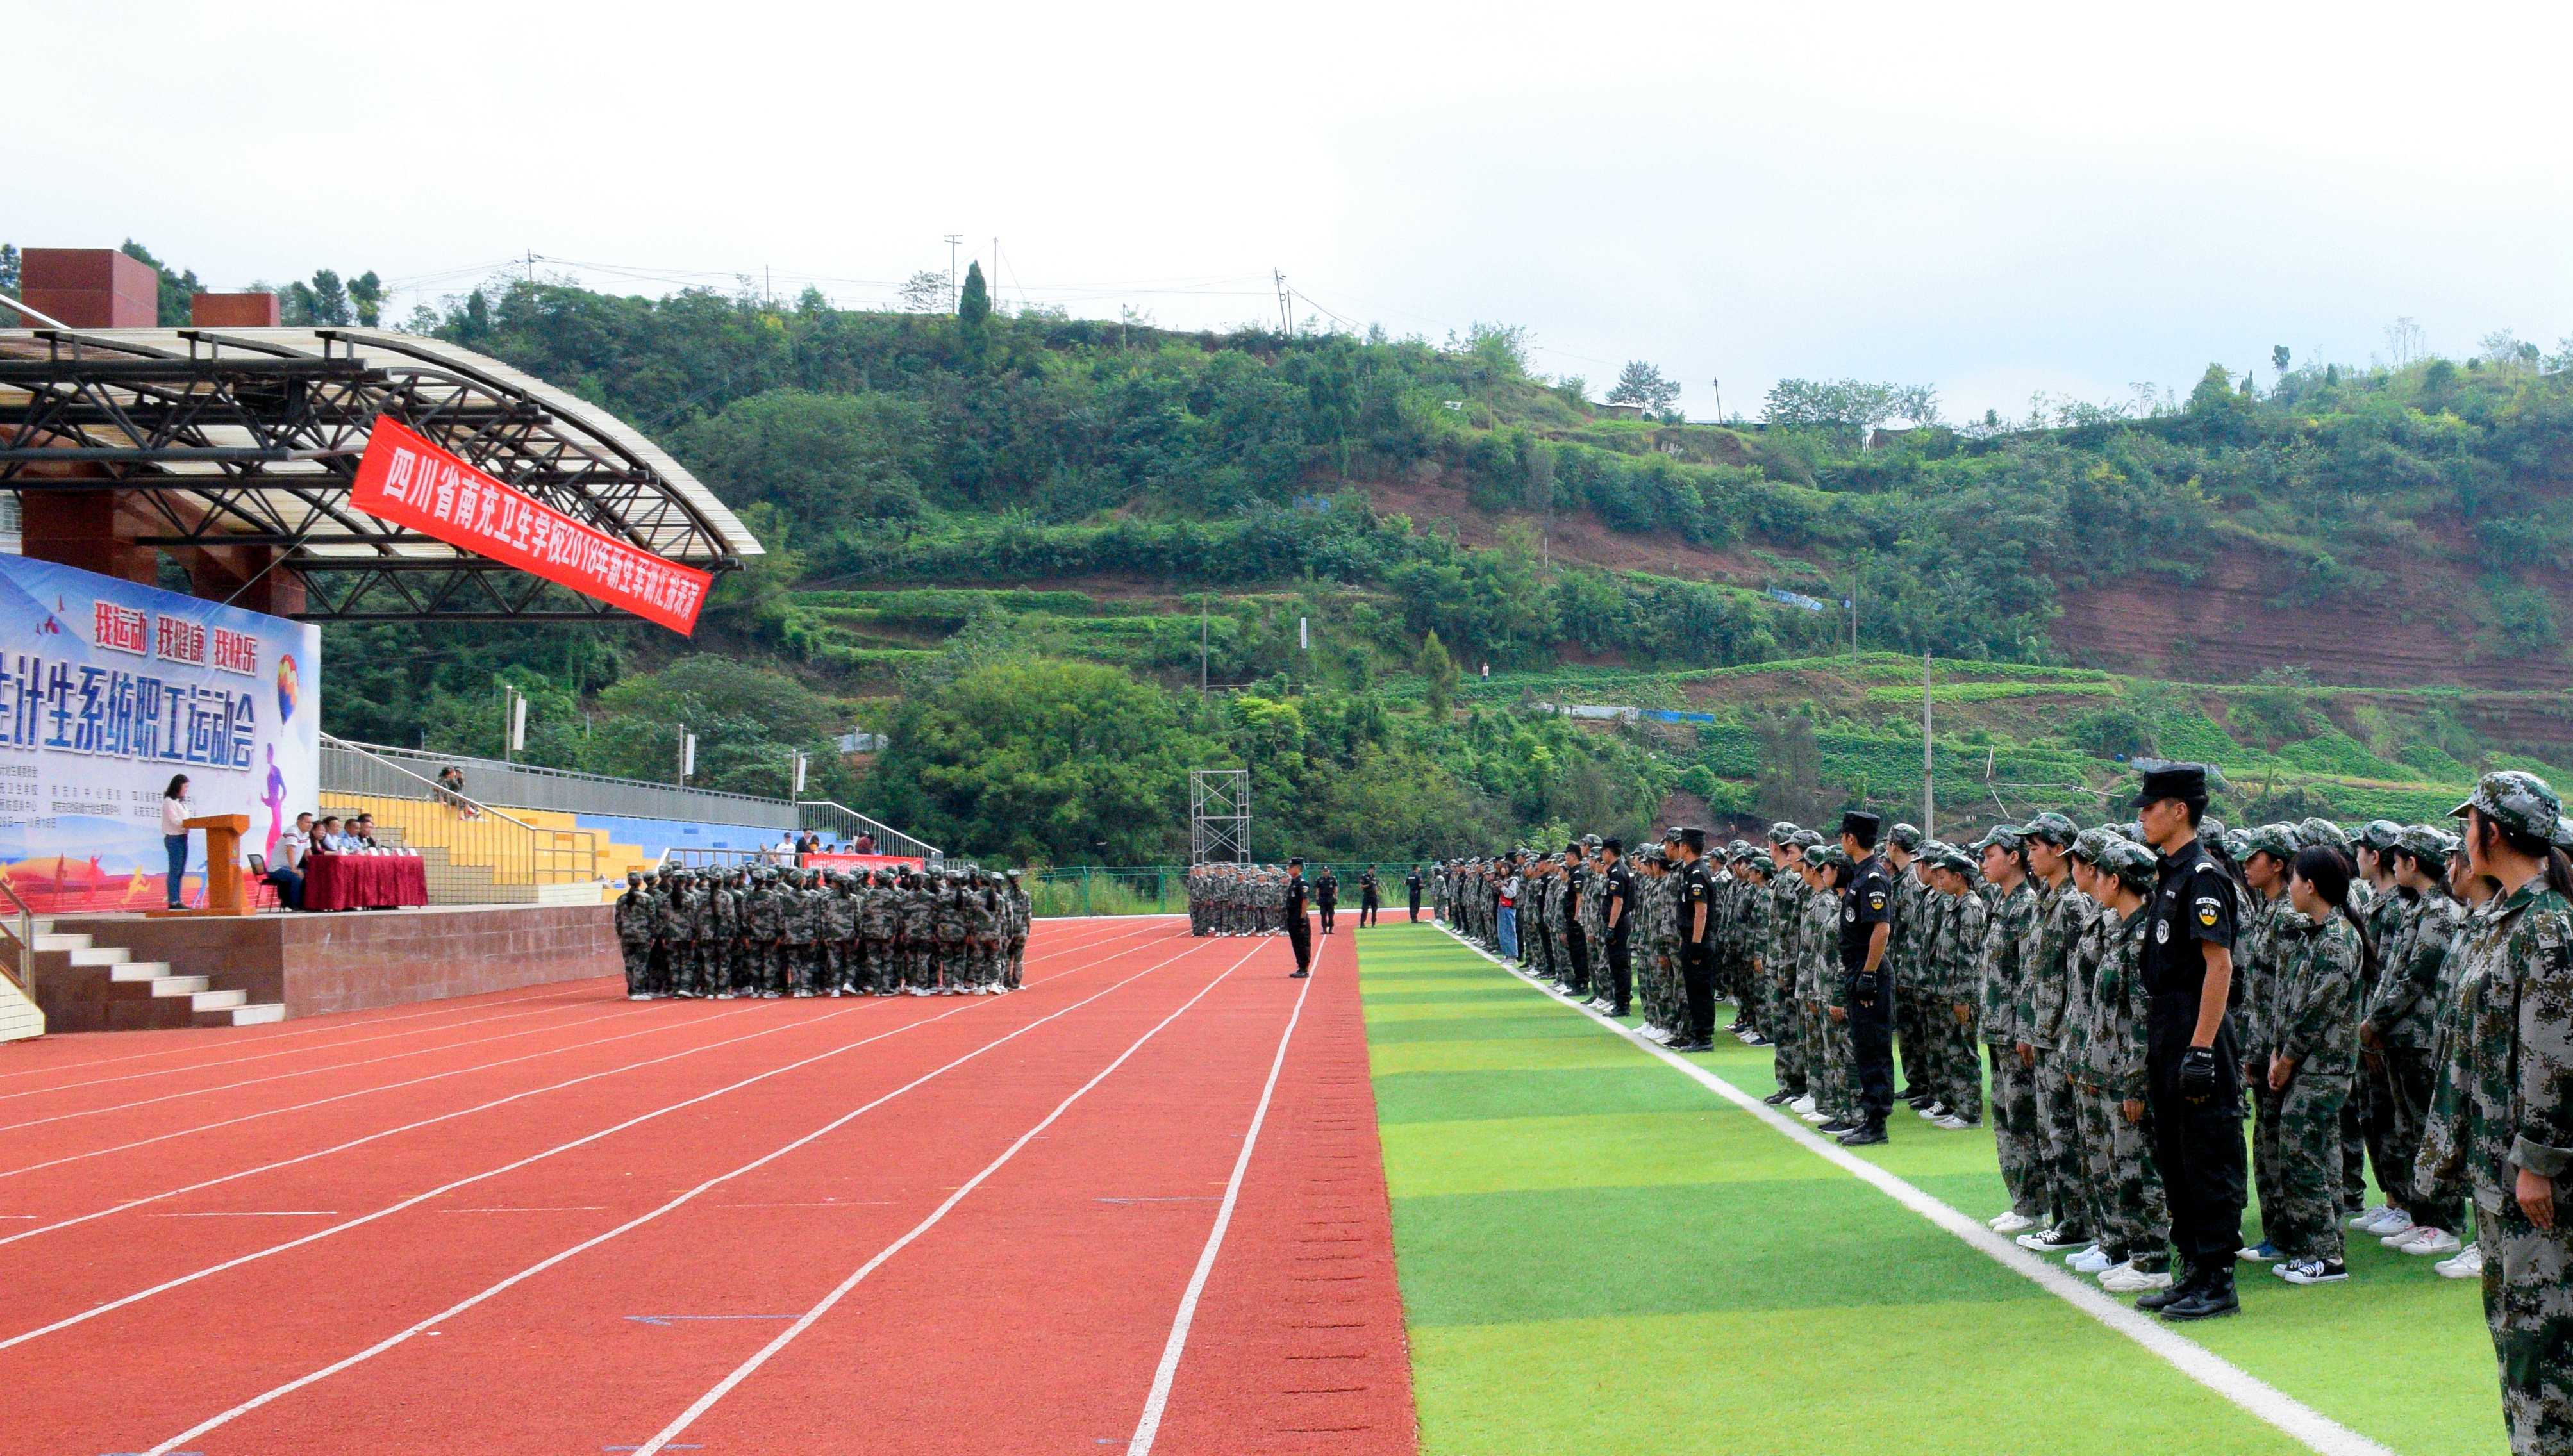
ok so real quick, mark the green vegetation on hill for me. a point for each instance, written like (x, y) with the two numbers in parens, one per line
(1013, 544)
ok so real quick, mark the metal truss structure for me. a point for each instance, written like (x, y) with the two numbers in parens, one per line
(222, 441)
(1218, 816)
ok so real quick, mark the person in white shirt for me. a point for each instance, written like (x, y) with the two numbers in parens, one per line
(287, 876)
(173, 835)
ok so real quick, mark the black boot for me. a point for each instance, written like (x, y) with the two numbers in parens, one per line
(2215, 1297)
(2183, 1285)
(1780, 1097)
(1868, 1135)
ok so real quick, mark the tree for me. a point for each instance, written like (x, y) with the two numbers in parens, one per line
(9, 271)
(974, 315)
(925, 291)
(1850, 410)
(2404, 342)
(1643, 384)
(176, 302)
(1439, 671)
(367, 296)
(830, 461)
(2278, 358)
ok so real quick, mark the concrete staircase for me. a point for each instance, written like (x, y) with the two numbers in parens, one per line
(89, 987)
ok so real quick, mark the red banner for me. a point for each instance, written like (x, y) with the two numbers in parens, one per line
(411, 482)
(862, 862)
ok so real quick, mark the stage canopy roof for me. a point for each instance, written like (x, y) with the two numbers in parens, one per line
(250, 437)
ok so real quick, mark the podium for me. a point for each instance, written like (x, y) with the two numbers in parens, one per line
(222, 865)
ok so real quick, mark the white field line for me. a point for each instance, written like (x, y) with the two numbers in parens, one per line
(106, 1307)
(494, 1290)
(809, 1317)
(1149, 1426)
(358, 1020)
(2247, 1390)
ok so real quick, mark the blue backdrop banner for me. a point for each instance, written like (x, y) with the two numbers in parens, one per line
(107, 691)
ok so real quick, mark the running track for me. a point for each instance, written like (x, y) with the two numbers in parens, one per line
(1137, 1206)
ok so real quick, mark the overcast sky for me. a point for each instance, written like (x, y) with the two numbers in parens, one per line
(1993, 199)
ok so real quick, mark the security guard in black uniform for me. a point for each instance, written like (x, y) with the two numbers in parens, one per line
(1616, 886)
(1867, 924)
(1697, 941)
(1300, 936)
(1367, 897)
(2192, 1089)
(1412, 884)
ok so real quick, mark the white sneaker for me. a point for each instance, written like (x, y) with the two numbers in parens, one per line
(2393, 1220)
(2013, 1222)
(2127, 1280)
(2091, 1260)
(2362, 1220)
(2467, 1265)
(1952, 1124)
(1804, 1105)
(2426, 1241)
(1933, 1112)
(1817, 1118)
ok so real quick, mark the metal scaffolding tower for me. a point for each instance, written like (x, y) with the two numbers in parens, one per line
(1218, 816)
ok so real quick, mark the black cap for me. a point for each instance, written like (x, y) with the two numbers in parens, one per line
(2185, 781)
(1296, 862)
(1694, 838)
(1862, 826)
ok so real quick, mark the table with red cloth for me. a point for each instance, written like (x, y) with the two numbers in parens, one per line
(364, 882)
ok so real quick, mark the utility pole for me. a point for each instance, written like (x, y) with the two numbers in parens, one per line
(996, 271)
(531, 265)
(1202, 644)
(1853, 613)
(952, 240)
(1719, 401)
(1284, 324)
(1929, 814)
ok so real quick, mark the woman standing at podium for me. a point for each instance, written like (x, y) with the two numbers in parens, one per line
(174, 836)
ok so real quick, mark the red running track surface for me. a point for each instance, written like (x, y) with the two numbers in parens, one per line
(568, 1222)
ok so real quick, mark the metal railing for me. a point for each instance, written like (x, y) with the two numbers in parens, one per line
(847, 824)
(473, 853)
(530, 786)
(22, 935)
(1109, 890)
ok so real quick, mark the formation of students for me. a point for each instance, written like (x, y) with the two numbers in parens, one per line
(1251, 899)
(762, 931)
(2394, 998)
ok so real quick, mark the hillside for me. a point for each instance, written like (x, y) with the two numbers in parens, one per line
(968, 511)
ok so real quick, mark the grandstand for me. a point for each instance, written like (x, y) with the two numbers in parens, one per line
(523, 834)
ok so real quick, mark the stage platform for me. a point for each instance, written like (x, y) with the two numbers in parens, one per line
(108, 973)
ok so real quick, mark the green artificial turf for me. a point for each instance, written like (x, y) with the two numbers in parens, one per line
(1599, 1255)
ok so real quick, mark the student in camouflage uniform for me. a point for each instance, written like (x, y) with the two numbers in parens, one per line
(1014, 935)
(880, 934)
(2135, 1222)
(1902, 853)
(2044, 978)
(2314, 1024)
(2267, 852)
(1793, 1058)
(2436, 1173)
(916, 930)
(2008, 928)
(1953, 974)
(635, 913)
(2511, 1075)
(843, 954)
(669, 933)
(1827, 1072)
(2395, 1036)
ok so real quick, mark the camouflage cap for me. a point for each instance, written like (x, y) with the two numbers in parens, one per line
(2134, 866)
(1783, 831)
(2426, 842)
(2521, 803)
(1590, 840)
(2564, 833)
(2209, 825)
(2379, 834)
(2088, 844)
(2311, 832)
(2007, 836)
(2051, 828)
(1906, 837)
(1828, 857)
(2276, 840)
(1760, 861)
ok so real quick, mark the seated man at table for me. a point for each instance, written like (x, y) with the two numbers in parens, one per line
(330, 839)
(288, 873)
(362, 832)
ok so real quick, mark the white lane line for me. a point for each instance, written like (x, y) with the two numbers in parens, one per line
(261, 1213)
(742, 1009)
(318, 1026)
(538, 1268)
(38, 1091)
(497, 1102)
(1149, 1426)
(2298, 1419)
(199, 1092)
(786, 1336)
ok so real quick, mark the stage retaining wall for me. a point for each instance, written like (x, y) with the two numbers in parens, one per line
(316, 964)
